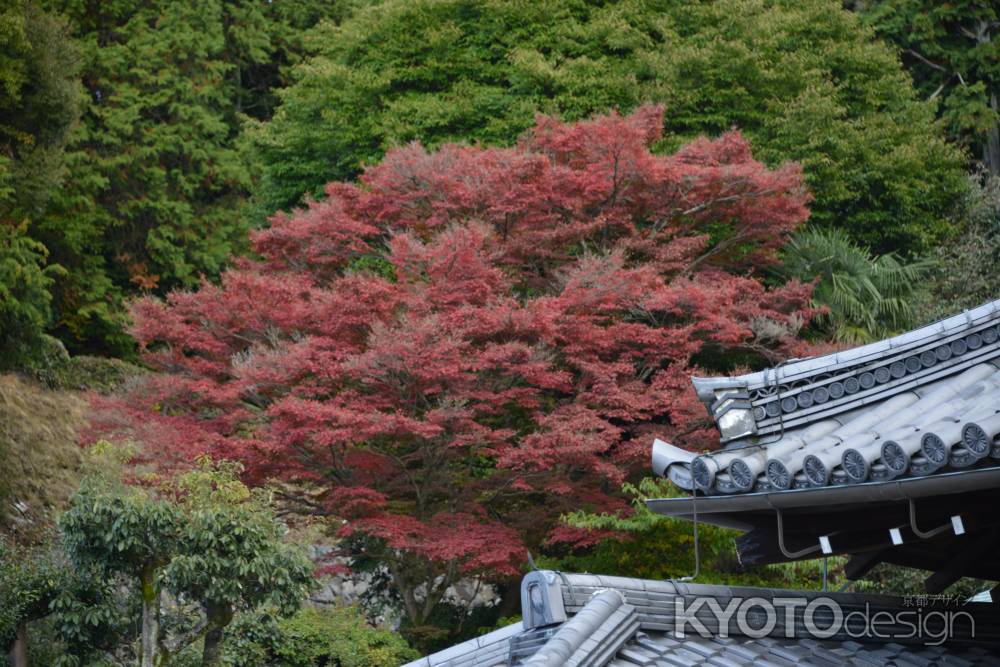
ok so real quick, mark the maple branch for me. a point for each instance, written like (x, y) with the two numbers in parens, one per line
(718, 248)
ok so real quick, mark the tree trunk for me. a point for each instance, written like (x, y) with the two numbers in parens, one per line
(150, 618)
(991, 149)
(19, 651)
(219, 616)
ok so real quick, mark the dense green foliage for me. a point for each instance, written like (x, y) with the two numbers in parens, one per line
(120, 167)
(25, 300)
(330, 636)
(867, 298)
(158, 181)
(39, 102)
(952, 50)
(648, 546)
(206, 540)
(804, 80)
(965, 274)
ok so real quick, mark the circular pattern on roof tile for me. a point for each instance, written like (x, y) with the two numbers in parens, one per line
(927, 359)
(851, 385)
(855, 465)
(836, 390)
(934, 449)
(773, 409)
(974, 341)
(743, 478)
(816, 472)
(989, 335)
(959, 347)
(788, 404)
(882, 375)
(821, 395)
(867, 380)
(701, 475)
(975, 439)
(942, 352)
(913, 364)
(805, 399)
(759, 413)
(897, 369)
(894, 458)
(778, 475)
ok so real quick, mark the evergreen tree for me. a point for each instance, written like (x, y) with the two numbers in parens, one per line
(953, 51)
(158, 180)
(39, 102)
(803, 79)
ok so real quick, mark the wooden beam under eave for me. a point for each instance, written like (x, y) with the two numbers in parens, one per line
(861, 564)
(960, 565)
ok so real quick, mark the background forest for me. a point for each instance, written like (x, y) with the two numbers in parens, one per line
(400, 291)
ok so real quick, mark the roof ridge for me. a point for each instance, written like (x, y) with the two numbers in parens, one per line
(596, 632)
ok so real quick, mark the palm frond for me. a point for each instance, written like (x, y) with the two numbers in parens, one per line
(867, 297)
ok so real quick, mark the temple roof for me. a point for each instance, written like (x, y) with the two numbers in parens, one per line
(597, 621)
(886, 452)
(924, 402)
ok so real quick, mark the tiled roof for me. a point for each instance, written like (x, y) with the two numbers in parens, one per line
(597, 621)
(909, 406)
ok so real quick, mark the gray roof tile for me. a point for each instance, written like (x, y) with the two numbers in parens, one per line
(603, 628)
(948, 424)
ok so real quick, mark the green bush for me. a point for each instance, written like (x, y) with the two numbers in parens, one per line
(651, 546)
(85, 372)
(804, 79)
(330, 636)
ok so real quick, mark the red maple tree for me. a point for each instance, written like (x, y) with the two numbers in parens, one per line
(470, 341)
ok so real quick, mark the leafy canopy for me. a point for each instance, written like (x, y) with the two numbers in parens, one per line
(470, 341)
(953, 51)
(205, 538)
(802, 79)
(157, 180)
(39, 102)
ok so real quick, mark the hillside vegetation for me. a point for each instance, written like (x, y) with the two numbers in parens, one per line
(40, 454)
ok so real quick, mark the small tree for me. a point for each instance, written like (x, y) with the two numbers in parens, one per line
(231, 556)
(204, 538)
(38, 582)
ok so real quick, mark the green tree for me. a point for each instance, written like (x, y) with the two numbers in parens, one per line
(231, 556)
(39, 102)
(965, 274)
(330, 636)
(158, 182)
(804, 79)
(206, 540)
(25, 300)
(953, 51)
(867, 298)
(131, 532)
(38, 582)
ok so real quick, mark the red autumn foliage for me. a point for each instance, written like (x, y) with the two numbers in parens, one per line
(468, 342)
